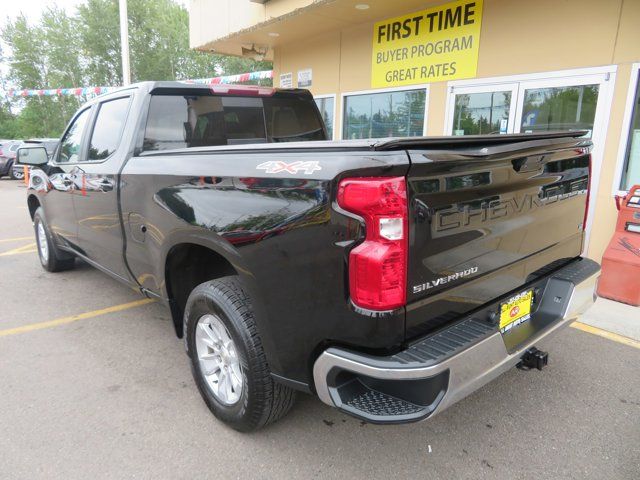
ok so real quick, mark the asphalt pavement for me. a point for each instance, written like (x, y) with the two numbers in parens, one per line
(92, 391)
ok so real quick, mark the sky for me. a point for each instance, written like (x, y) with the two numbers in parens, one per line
(34, 8)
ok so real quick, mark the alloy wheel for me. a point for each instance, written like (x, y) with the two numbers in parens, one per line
(219, 359)
(43, 246)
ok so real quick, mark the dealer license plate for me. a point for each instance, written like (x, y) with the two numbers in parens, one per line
(515, 311)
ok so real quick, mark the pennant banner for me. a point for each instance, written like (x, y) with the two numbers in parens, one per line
(84, 91)
(239, 78)
(50, 92)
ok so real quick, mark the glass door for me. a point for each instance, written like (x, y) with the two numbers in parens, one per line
(569, 100)
(580, 102)
(483, 109)
(564, 104)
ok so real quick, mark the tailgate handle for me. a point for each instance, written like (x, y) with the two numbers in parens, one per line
(529, 163)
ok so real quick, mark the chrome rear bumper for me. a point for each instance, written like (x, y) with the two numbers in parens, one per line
(455, 376)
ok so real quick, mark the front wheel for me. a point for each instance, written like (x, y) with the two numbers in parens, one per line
(51, 258)
(16, 173)
(227, 358)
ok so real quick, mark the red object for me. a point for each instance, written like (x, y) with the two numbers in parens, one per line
(253, 90)
(620, 279)
(378, 266)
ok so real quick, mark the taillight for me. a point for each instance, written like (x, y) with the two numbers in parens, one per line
(378, 266)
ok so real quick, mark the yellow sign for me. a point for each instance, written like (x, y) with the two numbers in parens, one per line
(432, 45)
(516, 311)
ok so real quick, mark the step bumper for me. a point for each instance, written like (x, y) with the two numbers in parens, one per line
(438, 371)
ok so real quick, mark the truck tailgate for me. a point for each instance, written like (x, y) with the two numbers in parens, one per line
(485, 219)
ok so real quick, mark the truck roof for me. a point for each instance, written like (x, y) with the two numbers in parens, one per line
(169, 87)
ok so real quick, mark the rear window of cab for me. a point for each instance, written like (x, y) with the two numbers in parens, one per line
(182, 121)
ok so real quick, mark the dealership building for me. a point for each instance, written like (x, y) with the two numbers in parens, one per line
(381, 68)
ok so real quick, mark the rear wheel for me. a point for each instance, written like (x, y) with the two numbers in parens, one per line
(51, 258)
(227, 359)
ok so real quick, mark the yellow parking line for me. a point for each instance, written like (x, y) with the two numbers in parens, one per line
(16, 239)
(31, 247)
(74, 318)
(606, 334)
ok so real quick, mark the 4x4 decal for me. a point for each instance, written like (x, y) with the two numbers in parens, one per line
(276, 167)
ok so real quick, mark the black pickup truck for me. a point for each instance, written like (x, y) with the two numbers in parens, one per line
(390, 277)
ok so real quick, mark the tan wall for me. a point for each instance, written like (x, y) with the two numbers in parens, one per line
(517, 38)
(277, 8)
(222, 17)
(605, 210)
(625, 52)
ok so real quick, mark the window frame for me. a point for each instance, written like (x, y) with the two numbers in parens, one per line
(83, 137)
(335, 110)
(91, 128)
(344, 95)
(625, 137)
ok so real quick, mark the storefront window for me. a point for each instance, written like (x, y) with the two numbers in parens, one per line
(385, 114)
(481, 113)
(326, 106)
(631, 172)
(559, 108)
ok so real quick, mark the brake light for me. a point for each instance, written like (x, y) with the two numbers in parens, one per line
(243, 90)
(378, 266)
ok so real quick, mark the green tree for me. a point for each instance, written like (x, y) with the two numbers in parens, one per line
(99, 33)
(158, 44)
(83, 49)
(43, 55)
(8, 126)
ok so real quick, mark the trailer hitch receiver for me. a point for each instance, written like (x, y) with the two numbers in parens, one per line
(533, 358)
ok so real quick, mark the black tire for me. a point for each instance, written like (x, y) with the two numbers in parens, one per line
(13, 175)
(55, 260)
(262, 400)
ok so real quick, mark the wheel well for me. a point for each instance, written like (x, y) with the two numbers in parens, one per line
(33, 203)
(187, 266)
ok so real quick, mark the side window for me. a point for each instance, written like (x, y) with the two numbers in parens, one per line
(108, 128)
(70, 145)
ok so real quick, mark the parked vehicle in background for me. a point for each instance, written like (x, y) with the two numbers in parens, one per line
(389, 277)
(7, 159)
(50, 145)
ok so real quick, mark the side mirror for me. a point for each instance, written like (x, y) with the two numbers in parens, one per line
(34, 156)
